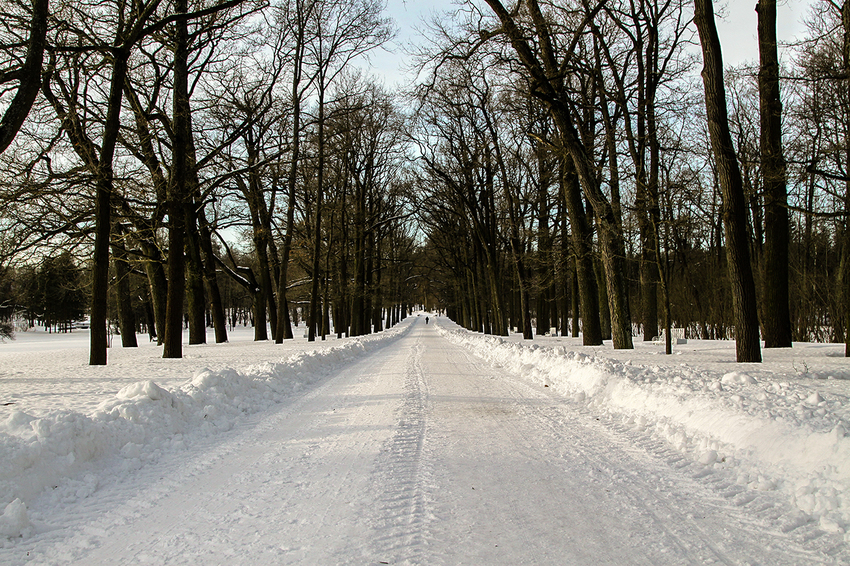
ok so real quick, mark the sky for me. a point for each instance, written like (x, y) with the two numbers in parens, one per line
(736, 24)
(738, 30)
(410, 17)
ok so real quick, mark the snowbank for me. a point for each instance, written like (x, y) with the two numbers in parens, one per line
(59, 453)
(774, 432)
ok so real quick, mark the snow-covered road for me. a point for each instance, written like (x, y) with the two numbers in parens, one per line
(421, 453)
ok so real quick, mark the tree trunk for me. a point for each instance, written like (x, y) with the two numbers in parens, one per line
(158, 284)
(563, 263)
(519, 269)
(744, 300)
(574, 299)
(845, 20)
(369, 289)
(654, 213)
(216, 305)
(172, 342)
(604, 309)
(195, 299)
(313, 319)
(103, 212)
(177, 189)
(776, 316)
(263, 299)
(588, 297)
(284, 323)
(201, 251)
(523, 284)
(377, 317)
(326, 315)
(544, 252)
(100, 270)
(123, 295)
(358, 293)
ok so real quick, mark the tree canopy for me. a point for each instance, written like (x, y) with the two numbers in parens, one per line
(574, 166)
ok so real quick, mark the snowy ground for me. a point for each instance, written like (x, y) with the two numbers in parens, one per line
(425, 444)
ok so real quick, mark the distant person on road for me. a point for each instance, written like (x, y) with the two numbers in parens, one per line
(426, 320)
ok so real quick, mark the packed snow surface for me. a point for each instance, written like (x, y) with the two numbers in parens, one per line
(423, 444)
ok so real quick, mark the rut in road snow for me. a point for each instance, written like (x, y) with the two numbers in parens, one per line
(401, 478)
(660, 485)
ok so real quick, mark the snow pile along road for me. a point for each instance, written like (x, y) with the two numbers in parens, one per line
(774, 432)
(60, 453)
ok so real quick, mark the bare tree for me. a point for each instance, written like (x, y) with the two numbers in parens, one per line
(98, 158)
(296, 15)
(178, 195)
(545, 65)
(639, 50)
(776, 316)
(744, 300)
(344, 31)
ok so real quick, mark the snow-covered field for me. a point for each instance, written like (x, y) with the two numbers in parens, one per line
(690, 440)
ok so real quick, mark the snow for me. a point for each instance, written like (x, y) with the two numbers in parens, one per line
(423, 444)
(14, 521)
(778, 430)
(69, 430)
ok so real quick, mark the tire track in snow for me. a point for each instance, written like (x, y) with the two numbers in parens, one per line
(763, 515)
(659, 496)
(401, 526)
(278, 489)
(681, 533)
(763, 512)
(509, 500)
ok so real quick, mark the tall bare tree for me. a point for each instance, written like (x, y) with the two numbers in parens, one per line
(178, 188)
(296, 15)
(128, 29)
(344, 31)
(747, 342)
(546, 63)
(776, 316)
(181, 193)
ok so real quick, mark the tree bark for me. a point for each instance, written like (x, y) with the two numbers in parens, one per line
(545, 271)
(195, 297)
(377, 316)
(123, 295)
(216, 305)
(845, 259)
(574, 300)
(747, 345)
(313, 320)
(158, 284)
(776, 316)
(177, 189)
(103, 214)
(358, 292)
(584, 277)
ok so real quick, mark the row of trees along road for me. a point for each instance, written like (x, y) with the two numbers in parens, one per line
(589, 172)
(557, 165)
